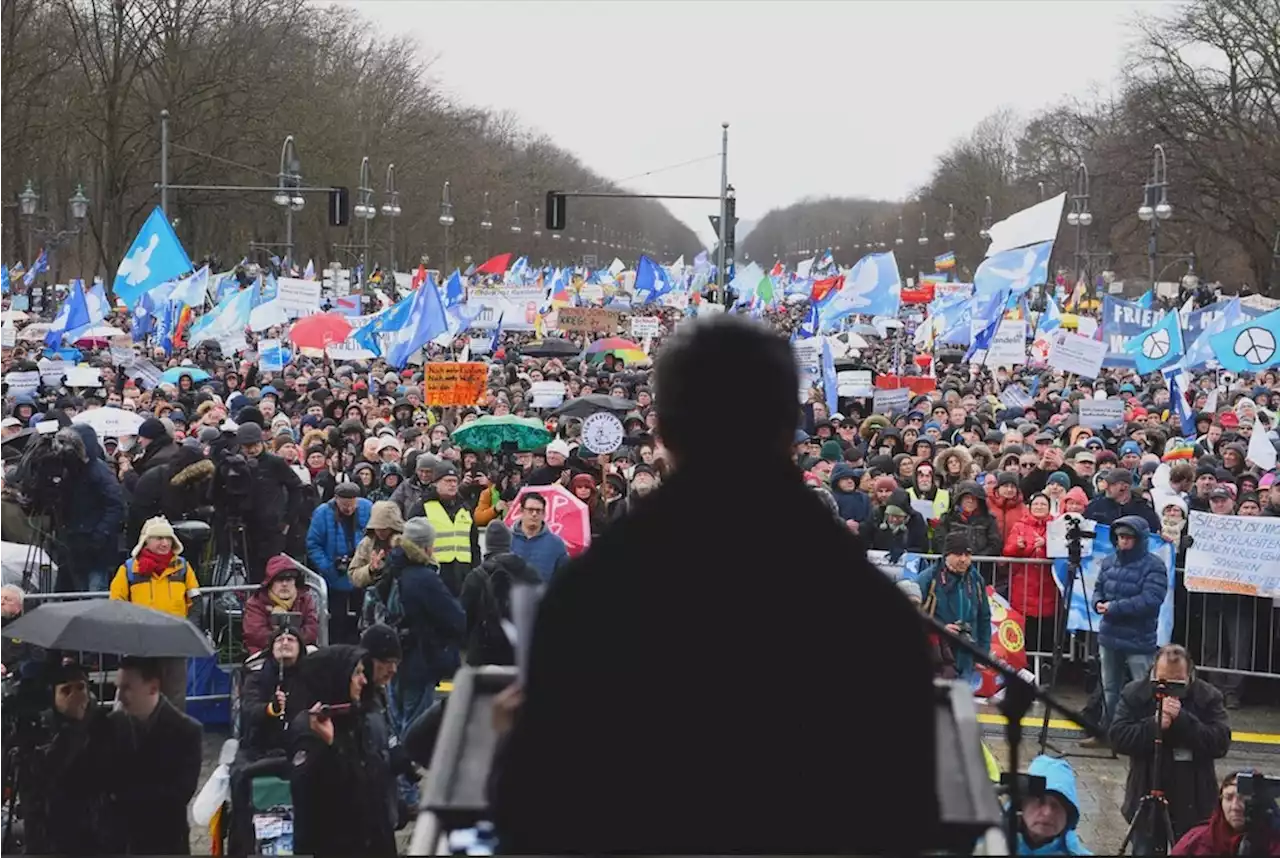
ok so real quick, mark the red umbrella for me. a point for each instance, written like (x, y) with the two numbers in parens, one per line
(567, 517)
(320, 330)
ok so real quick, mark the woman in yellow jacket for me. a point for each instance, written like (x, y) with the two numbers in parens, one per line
(157, 576)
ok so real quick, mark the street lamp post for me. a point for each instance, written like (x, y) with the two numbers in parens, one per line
(1155, 206)
(446, 221)
(365, 210)
(391, 209)
(1080, 217)
(48, 235)
(949, 234)
(486, 223)
(985, 230)
(537, 234)
(287, 196)
(899, 241)
(516, 229)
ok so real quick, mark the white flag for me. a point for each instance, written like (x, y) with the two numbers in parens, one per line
(1261, 451)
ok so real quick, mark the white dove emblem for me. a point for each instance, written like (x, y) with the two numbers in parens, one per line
(864, 282)
(137, 267)
(1018, 278)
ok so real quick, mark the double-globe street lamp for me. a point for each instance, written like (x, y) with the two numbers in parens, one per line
(1155, 206)
(1080, 217)
(287, 195)
(391, 211)
(446, 220)
(48, 235)
(365, 210)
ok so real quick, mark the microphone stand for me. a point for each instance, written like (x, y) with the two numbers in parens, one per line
(1019, 695)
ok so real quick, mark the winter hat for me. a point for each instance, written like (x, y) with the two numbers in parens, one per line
(346, 490)
(1058, 478)
(151, 429)
(1006, 478)
(885, 481)
(890, 509)
(157, 527)
(1077, 495)
(497, 538)
(581, 480)
(249, 433)
(956, 543)
(382, 643)
(281, 565)
(420, 532)
(831, 451)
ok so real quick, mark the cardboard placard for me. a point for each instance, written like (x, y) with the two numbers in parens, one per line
(1009, 345)
(546, 394)
(854, 382)
(8, 336)
(888, 401)
(451, 383)
(1073, 353)
(1101, 413)
(52, 371)
(587, 320)
(298, 295)
(645, 326)
(22, 382)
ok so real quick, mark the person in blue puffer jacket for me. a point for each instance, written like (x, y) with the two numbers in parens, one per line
(336, 529)
(1049, 821)
(1130, 589)
(853, 505)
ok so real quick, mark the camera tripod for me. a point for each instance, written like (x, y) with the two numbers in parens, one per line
(231, 553)
(1150, 832)
(1075, 570)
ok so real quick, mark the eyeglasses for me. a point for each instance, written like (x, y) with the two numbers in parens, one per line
(534, 510)
(1026, 465)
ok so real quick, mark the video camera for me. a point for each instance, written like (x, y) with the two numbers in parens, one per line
(1259, 793)
(44, 472)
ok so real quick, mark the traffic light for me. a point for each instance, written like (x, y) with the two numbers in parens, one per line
(339, 207)
(730, 207)
(556, 210)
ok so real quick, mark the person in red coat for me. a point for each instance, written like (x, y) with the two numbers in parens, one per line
(1222, 834)
(282, 591)
(1032, 589)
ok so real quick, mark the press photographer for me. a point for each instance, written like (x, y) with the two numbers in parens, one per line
(60, 786)
(1187, 717)
(1244, 820)
(261, 491)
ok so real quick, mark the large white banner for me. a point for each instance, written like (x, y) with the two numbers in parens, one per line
(517, 306)
(1234, 554)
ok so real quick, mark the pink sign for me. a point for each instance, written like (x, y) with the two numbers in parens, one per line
(567, 517)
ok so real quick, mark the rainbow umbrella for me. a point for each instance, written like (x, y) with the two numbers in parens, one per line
(620, 348)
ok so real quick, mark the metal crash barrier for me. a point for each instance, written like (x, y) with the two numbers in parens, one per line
(217, 611)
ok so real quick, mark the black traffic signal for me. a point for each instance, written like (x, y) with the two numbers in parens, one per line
(556, 210)
(730, 207)
(339, 207)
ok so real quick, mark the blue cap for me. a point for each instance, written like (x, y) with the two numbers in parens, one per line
(1130, 447)
(802, 437)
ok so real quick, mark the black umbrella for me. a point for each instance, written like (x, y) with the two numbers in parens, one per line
(584, 406)
(110, 626)
(552, 347)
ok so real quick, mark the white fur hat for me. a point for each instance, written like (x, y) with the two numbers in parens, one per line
(157, 527)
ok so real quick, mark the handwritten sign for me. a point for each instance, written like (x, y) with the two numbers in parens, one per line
(27, 381)
(645, 326)
(587, 320)
(449, 383)
(546, 394)
(855, 382)
(1101, 413)
(52, 371)
(298, 295)
(1073, 353)
(1234, 554)
(1009, 345)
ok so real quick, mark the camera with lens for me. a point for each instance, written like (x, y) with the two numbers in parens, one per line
(233, 481)
(44, 472)
(1170, 688)
(1259, 793)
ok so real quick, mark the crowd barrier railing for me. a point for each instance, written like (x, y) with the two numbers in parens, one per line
(1232, 635)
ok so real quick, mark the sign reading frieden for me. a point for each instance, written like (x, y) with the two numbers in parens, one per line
(450, 383)
(1234, 554)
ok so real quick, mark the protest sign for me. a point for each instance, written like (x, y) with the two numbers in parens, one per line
(1234, 554)
(888, 401)
(1015, 396)
(8, 336)
(1073, 353)
(83, 376)
(270, 356)
(52, 371)
(924, 506)
(1056, 541)
(121, 355)
(1080, 613)
(917, 384)
(449, 383)
(22, 382)
(297, 296)
(1122, 321)
(586, 320)
(854, 382)
(1101, 413)
(1009, 345)
(808, 352)
(645, 326)
(517, 306)
(546, 394)
(479, 345)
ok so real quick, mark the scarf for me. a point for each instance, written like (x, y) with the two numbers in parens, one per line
(1171, 527)
(282, 604)
(150, 563)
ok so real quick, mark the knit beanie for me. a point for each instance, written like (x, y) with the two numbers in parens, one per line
(831, 451)
(956, 543)
(885, 482)
(382, 643)
(497, 538)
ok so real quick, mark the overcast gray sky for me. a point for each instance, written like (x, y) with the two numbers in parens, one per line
(823, 98)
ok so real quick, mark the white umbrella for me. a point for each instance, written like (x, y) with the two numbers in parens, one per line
(14, 316)
(101, 332)
(34, 332)
(110, 422)
(14, 557)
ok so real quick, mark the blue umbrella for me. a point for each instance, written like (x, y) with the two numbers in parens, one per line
(171, 375)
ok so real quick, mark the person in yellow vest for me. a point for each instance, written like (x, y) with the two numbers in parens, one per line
(156, 575)
(457, 539)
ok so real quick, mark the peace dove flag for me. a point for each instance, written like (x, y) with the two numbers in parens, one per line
(156, 256)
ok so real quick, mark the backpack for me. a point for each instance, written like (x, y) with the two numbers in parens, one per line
(489, 636)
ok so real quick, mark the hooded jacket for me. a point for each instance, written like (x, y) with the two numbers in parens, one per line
(329, 540)
(95, 505)
(1032, 588)
(384, 515)
(259, 607)
(854, 505)
(263, 731)
(980, 527)
(1133, 583)
(486, 597)
(337, 803)
(1060, 780)
(1006, 511)
(940, 474)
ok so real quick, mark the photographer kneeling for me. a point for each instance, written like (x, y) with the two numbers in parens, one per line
(1194, 729)
(1225, 831)
(63, 795)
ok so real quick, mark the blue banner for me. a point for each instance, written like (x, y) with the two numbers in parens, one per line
(1122, 321)
(1080, 615)
(1198, 321)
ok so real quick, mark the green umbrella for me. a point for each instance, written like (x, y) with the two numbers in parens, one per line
(490, 433)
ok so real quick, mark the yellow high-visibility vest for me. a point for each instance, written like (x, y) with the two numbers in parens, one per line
(453, 536)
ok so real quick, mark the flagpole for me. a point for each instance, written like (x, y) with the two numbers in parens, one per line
(722, 253)
(164, 162)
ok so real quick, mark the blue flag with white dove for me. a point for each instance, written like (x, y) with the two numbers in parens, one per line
(155, 256)
(1157, 346)
(193, 289)
(144, 317)
(454, 292)
(990, 312)
(1016, 270)
(1179, 384)
(73, 316)
(166, 323)
(497, 335)
(1080, 613)
(427, 320)
(873, 287)
(1050, 319)
(809, 325)
(830, 383)
(1250, 346)
(226, 321)
(38, 267)
(652, 280)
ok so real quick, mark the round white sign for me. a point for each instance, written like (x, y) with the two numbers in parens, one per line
(602, 432)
